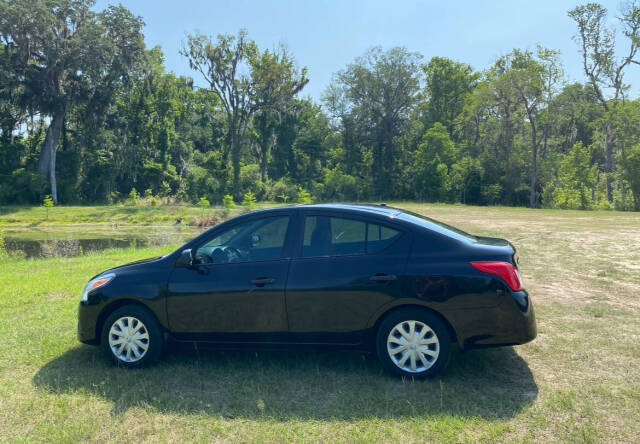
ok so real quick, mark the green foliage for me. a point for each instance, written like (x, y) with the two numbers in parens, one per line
(203, 203)
(340, 186)
(282, 190)
(165, 189)
(304, 197)
(249, 200)
(577, 179)
(391, 124)
(631, 173)
(228, 202)
(435, 155)
(134, 197)
(48, 203)
(3, 246)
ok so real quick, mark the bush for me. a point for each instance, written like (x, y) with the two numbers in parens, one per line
(339, 185)
(165, 189)
(47, 203)
(304, 197)
(249, 200)
(203, 203)
(228, 203)
(577, 180)
(282, 191)
(250, 181)
(134, 197)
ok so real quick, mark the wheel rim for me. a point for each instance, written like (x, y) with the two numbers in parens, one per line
(413, 346)
(129, 339)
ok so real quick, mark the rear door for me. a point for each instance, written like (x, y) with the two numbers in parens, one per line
(345, 268)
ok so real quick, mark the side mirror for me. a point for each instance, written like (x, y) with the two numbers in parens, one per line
(185, 260)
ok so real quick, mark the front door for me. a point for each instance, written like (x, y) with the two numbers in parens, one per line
(235, 290)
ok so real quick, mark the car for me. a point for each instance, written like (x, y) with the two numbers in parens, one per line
(355, 277)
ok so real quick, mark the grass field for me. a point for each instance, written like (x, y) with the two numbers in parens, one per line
(579, 381)
(118, 215)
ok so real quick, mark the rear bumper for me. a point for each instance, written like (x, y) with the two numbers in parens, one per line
(512, 322)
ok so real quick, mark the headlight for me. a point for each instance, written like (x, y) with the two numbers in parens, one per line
(96, 283)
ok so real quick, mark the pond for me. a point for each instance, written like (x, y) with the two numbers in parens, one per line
(75, 241)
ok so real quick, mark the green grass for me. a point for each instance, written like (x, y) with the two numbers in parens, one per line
(114, 215)
(577, 382)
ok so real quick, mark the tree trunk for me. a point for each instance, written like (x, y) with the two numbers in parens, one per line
(235, 161)
(534, 167)
(609, 159)
(264, 150)
(47, 162)
(534, 158)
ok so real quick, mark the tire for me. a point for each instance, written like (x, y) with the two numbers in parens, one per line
(128, 349)
(430, 354)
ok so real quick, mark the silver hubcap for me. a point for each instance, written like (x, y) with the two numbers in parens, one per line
(129, 339)
(413, 346)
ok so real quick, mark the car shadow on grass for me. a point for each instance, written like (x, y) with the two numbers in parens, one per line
(492, 383)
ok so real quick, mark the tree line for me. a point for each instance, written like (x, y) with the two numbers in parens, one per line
(89, 115)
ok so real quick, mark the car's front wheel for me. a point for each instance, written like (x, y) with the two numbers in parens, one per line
(413, 343)
(131, 337)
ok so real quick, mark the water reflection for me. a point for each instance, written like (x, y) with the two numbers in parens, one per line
(69, 242)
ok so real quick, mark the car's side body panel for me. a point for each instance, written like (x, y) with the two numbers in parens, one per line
(326, 299)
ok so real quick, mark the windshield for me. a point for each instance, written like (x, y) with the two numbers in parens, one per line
(436, 226)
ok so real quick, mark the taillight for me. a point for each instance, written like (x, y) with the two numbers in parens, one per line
(504, 270)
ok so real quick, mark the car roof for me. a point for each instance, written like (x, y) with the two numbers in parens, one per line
(377, 210)
(381, 210)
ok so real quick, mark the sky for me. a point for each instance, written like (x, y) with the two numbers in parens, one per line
(326, 35)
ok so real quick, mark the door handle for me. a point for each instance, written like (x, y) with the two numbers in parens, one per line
(383, 277)
(262, 281)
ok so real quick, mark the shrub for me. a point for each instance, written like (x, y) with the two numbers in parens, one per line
(304, 197)
(165, 189)
(577, 180)
(134, 197)
(47, 203)
(282, 191)
(203, 203)
(228, 203)
(249, 200)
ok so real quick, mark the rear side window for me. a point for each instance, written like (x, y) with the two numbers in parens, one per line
(380, 237)
(334, 236)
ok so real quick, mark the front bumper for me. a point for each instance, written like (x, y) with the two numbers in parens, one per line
(88, 323)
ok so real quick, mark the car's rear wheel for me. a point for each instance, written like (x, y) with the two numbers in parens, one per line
(414, 343)
(131, 337)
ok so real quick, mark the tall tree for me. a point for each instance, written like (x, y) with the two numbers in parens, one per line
(381, 88)
(224, 65)
(448, 83)
(275, 83)
(67, 54)
(603, 69)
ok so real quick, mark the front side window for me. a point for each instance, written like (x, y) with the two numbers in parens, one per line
(257, 240)
(334, 236)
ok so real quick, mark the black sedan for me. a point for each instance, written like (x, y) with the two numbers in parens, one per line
(369, 278)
